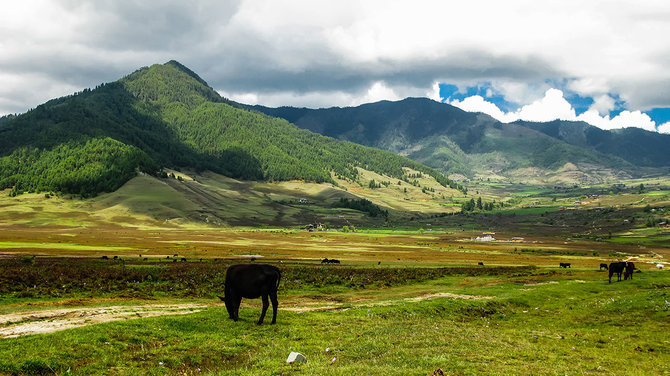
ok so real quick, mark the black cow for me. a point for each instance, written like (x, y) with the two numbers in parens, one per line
(330, 261)
(630, 268)
(564, 265)
(251, 281)
(603, 266)
(618, 268)
(480, 263)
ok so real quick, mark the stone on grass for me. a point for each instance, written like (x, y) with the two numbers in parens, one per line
(296, 357)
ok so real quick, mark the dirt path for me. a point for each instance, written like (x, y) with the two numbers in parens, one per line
(47, 321)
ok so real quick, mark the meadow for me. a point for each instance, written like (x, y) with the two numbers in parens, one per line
(108, 286)
(470, 320)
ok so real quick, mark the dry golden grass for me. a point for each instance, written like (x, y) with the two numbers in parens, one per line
(364, 248)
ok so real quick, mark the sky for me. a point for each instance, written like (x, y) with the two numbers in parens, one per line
(603, 62)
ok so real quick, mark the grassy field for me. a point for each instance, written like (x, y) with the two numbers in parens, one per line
(346, 320)
(126, 283)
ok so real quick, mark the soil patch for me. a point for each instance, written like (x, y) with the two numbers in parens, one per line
(38, 322)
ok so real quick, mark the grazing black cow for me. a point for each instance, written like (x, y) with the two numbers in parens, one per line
(251, 281)
(564, 265)
(630, 268)
(603, 266)
(330, 261)
(618, 268)
(480, 263)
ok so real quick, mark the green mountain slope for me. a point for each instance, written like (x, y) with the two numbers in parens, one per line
(167, 116)
(454, 141)
(635, 145)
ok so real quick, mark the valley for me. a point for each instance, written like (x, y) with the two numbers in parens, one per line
(465, 246)
(132, 276)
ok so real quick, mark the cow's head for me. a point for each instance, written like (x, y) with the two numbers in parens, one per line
(229, 305)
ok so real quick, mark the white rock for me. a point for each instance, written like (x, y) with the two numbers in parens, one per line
(296, 357)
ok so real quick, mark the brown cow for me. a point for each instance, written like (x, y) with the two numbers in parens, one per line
(630, 267)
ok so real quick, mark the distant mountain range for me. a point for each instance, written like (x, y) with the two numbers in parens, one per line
(474, 144)
(167, 116)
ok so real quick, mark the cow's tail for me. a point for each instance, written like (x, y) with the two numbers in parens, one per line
(278, 277)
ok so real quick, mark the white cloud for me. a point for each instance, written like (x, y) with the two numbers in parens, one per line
(554, 106)
(477, 103)
(664, 128)
(378, 92)
(603, 104)
(590, 86)
(628, 119)
(434, 92)
(550, 107)
(246, 98)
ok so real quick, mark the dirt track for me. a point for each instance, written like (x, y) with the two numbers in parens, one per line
(47, 321)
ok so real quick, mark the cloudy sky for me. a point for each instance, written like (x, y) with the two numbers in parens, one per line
(604, 62)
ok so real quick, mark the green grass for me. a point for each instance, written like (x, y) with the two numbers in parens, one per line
(545, 322)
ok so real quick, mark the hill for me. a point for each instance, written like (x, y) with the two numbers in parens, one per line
(167, 116)
(474, 144)
(637, 146)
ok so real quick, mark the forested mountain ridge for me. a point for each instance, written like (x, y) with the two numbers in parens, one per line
(454, 141)
(167, 116)
(635, 145)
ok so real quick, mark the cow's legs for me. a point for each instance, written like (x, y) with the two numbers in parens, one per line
(238, 301)
(275, 304)
(266, 304)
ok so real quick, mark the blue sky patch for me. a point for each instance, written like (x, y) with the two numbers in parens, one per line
(580, 103)
(659, 115)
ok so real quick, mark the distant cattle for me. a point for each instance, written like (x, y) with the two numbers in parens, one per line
(603, 266)
(251, 281)
(659, 266)
(564, 265)
(330, 261)
(618, 268)
(480, 263)
(628, 272)
(105, 258)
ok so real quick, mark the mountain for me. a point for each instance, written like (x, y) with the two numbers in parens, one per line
(637, 146)
(167, 116)
(474, 144)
